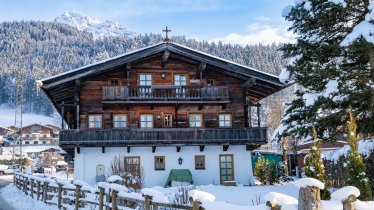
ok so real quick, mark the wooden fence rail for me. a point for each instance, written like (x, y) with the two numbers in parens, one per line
(75, 196)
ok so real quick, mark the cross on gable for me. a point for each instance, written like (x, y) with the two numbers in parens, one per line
(166, 30)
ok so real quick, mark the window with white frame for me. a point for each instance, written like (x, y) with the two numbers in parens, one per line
(146, 121)
(195, 120)
(225, 120)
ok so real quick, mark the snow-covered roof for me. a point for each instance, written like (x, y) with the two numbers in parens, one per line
(61, 163)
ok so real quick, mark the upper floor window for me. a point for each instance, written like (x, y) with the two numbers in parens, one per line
(180, 80)
(145, 79)
(94, 121)
(210, 82)
(224, 120)
(114, 81)
(119, 121)
(195, 120)
(146, 121)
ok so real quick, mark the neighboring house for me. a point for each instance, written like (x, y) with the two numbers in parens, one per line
(38, 134)
(304, 149)
(160, 108)
(61, 165)
(6, 131)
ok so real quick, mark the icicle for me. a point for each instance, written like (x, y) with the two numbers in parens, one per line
(39, 84)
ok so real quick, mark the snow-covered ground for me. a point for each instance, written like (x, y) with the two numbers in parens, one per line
(7, 118)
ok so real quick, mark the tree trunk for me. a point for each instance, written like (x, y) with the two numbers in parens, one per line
(309, 198)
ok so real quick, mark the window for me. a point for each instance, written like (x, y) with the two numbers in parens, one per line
(210, 82)
(226, 168)
(114, 81)
(145, 80)
(27, 142)
(44, 142)
(132, 165)
(146, 121)
(35, 142)
(168, 120)
(119, 121)
(195, 120)
(199, 162)
(94, 121)
(159, 162)
(225, 120)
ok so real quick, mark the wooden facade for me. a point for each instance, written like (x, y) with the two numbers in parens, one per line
(165, 94)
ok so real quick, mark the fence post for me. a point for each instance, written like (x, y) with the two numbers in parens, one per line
(273, 206)
(147, 202)
(64, 200)
(25, 185)
(309, 198)
(195, 204)
(45, 191)
(37, 189)
(101, 197)
(59, 190)
(77, 194)
(107, 200)
(114, 199)
(32, 188)
(348, 203)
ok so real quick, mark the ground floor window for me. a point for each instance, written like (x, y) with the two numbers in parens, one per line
(119, 121)
(226, 168)
(200, 162)
(132, 165)
(159, 162)
(146, 121)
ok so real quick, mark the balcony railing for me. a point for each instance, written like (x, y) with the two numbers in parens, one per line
(162, 136)
(164, 93)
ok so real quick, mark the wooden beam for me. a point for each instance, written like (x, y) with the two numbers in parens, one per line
(165, 57)
(179, 148)
(128, 69)
(249, 83)
(153, 149)
(251, 147)
(128, 149)
(225, 147)
(78, 150)
(202, 66)
(202, 148)
(102, 149)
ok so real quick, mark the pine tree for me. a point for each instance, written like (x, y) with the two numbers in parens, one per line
(333, 76)
(355, 168)
(314, 167)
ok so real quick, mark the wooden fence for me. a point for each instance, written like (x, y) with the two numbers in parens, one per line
(66, 195)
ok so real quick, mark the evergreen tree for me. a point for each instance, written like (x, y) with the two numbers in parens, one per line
(314, 167)
(355, 168)
(334, 74)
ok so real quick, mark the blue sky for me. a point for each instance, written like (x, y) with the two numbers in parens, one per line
(234, 21)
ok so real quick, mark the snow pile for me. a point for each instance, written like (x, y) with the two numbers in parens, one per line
(304, 182)
(364, 29)
(280, 199)
(365, 147)
(362, 205)
(115, 178)
(156, 195)
(331, 205)
(343, 193)
(18, 200)
(118, 187)
(200, 195)
(208, 205)
(80, 183)
(132, 195)
(98, 28)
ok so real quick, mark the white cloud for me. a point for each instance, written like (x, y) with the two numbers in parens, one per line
(263, 30)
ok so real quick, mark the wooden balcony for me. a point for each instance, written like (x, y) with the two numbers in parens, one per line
(162, 136)
(165, 93)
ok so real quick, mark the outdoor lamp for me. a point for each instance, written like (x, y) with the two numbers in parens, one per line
(180, 161)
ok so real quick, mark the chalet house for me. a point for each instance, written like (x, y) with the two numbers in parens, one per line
(6, 131)
(160, 108)
(38, 134)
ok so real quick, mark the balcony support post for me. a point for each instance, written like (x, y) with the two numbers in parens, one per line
(76, 102)
(128, 68)
(258, 115)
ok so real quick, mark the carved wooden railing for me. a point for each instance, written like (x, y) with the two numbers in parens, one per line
(159, 136)
(165, 92)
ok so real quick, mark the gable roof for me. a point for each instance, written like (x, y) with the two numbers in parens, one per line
(61, 87)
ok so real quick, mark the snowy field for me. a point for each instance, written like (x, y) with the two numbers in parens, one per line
(7, 118)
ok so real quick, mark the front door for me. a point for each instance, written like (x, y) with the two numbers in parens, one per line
(226, 163)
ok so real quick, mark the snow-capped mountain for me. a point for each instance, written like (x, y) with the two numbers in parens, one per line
(98, 28)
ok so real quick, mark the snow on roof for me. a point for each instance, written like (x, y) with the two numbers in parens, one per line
(343, 193)
(365, 147)
(304, 182)
(40, 82)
